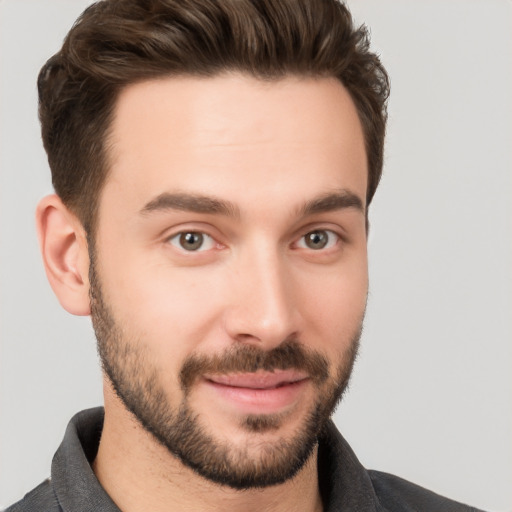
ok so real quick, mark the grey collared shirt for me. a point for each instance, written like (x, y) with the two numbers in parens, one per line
(345, 484)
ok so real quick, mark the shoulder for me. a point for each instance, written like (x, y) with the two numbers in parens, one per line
(40, 499)
(399, 495)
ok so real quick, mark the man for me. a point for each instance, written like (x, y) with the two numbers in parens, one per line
(214, 164)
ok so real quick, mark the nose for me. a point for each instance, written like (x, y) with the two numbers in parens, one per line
(262, 308)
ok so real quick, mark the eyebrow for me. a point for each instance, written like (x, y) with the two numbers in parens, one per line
(329, 202)
(191, 203)
(197, 203)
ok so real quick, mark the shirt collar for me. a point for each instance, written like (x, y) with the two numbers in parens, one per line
(344, 482)
(73, 480)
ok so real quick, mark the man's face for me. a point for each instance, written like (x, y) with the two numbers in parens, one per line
(229, 273)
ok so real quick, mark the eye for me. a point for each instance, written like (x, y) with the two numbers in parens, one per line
(318, 239)
(192, 241)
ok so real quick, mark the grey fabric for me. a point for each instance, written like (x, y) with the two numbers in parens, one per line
(344, 483)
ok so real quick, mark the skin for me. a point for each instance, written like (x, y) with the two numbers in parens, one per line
(267, 149)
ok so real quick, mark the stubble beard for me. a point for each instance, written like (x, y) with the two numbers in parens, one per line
(180, 429)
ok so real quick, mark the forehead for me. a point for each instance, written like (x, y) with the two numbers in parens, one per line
(234, 131)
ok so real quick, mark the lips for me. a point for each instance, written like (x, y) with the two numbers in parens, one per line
(259, 380)
(257, 393)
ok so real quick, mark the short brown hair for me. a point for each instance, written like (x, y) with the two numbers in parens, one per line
(118, 42)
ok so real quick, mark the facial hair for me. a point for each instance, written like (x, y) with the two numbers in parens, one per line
(179, 428)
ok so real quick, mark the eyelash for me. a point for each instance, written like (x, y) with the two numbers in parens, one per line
(201, 241)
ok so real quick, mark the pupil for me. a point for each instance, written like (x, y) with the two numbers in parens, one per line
(191, 241)
(316, 240)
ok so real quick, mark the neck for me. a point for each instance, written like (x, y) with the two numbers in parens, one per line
(139, 474)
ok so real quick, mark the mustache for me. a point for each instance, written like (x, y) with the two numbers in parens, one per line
(249, 358)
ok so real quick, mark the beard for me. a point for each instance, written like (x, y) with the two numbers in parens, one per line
(179, 428)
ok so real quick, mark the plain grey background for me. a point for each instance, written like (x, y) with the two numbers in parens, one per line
(431, 396)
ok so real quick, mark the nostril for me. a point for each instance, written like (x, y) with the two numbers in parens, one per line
(242, 337)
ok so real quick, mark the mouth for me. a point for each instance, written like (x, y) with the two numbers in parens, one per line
(259, 392)
(258, 380)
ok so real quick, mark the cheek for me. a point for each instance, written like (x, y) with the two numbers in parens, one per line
(335, 306)
(170, 311)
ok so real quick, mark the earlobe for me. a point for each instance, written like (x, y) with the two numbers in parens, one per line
(63, 246)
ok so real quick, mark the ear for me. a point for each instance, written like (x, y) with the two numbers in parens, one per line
(63, 244)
